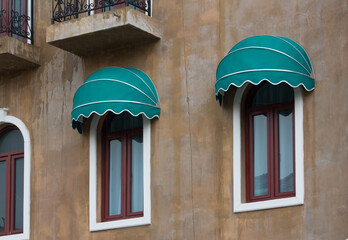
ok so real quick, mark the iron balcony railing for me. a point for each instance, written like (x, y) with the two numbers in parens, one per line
(63, 10)
(16, 19)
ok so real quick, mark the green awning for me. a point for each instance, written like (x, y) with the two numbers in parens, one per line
(259, 58)
(116, 90)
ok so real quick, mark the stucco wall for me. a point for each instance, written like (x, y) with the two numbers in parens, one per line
(191, 156)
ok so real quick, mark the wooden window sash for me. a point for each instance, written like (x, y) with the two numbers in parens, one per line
(9, 159)
(130, 134)
(272, 111)
(125, 137)
(277, 193)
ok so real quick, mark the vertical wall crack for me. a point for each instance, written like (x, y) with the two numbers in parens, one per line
(189, 120)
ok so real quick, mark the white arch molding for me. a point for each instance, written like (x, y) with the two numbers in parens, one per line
(6, 119)
(238, 205)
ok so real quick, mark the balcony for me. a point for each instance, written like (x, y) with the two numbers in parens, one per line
(86, 26)
(16, 36)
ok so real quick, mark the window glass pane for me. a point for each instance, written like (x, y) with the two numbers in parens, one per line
(107, 6)
(19, 181)
(260, 155)
(115, 177)
(2, 194)
(124, 121)
(270, 94)
(17, 7)
(286, 164)
(137, 174)
(11, 141)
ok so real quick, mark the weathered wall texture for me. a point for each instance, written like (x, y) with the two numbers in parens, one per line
(191, 162)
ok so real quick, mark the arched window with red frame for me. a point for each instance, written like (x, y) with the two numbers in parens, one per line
(11, 180)
(269, 134)
(122, 167)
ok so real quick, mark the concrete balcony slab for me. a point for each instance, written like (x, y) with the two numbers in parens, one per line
(108, 30)
(17, 55)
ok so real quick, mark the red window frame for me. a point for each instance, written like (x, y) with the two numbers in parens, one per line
(126, 159)
(271, 111)
(10, 158)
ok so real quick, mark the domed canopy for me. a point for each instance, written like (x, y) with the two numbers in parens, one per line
(117, 90)
(258, 58)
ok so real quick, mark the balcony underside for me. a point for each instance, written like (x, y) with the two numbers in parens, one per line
(17, 55)
(108, 30)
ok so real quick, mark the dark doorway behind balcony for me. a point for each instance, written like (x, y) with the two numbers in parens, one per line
(16, 19)
(63, 10)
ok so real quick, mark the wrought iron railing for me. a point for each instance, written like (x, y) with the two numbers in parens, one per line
(63, 10)
(15, 19)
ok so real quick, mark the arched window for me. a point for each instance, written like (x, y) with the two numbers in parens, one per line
(11, 180)
(122, 167)
(269, 73)
(121, 103)
(121, 143)
(269, 145)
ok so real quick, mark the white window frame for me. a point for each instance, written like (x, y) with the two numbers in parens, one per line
(146, 218)
(30, 22)
(6, 119)
(238, 205)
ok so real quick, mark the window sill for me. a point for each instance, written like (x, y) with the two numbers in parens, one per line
(269, 204)
(99, 226)
(20, 236)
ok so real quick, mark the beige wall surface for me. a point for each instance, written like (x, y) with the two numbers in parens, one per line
(191, 148)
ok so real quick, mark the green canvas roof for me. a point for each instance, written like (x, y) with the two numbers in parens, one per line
(264, 58)
(116, 90)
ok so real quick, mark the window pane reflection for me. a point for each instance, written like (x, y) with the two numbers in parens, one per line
(260, 155)
(2, 195)
(17, 6)
(115, 178)
(124, 121)
(137, 174)
(270, 94)
(286, 165)
(11, 141)
(19, 181)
